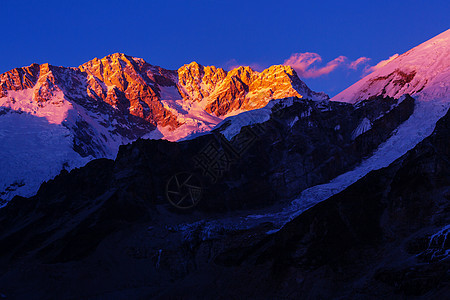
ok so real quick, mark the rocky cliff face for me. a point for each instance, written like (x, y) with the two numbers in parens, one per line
(241, 88)
(19, 79)
(130, 85)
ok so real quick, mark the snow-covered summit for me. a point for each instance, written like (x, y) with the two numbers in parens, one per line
(423, 72)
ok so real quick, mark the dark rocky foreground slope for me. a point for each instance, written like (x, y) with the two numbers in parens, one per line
(106, 231)
(383, 237)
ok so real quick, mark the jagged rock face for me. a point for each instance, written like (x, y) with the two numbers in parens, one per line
(241, 88)
(198, 82)
(29, 77)
(131, 86)
(18, 79)
(47, 85)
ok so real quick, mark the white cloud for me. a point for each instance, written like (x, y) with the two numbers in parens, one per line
(354, 64)
(303, 64)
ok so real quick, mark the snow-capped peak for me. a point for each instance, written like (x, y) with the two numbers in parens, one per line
(423, 72)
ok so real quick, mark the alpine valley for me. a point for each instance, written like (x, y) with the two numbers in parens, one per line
(297, 196)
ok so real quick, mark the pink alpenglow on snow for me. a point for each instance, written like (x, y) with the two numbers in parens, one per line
(423, 72)
(381, 64)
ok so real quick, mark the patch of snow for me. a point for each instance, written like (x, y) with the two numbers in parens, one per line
(250, 117)
(111, 145)
(55, 110)
(33, 150)
(437, 250)
(159, 258)
(37, 140)
(440, 237)
(192, 115)
(292, 123)
(364, 126)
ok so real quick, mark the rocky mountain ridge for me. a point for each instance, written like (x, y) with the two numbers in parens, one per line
(93, 109)
(134, 87)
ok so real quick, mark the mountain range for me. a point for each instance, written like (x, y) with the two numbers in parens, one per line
(285, 195)
(56, 118)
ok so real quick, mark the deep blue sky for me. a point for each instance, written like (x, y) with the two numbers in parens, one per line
(221, 33)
